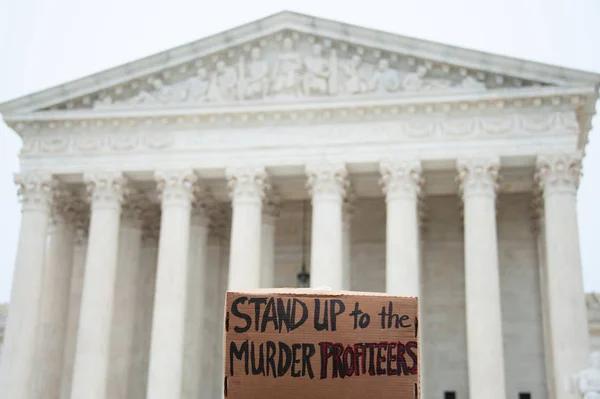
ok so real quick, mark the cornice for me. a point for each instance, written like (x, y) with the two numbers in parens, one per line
(331, 109)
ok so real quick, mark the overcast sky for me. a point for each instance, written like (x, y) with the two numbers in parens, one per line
(45, 43)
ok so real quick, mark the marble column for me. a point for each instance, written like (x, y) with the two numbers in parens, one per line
(267, 242)
(124, 307)
(327, 185)
(168, 324)
(93, 339)
(80, 243)
(18, 352)
(194, 345)
(54, 309)
(212, 302)
(402, 183)
(347, 214)
(539, 231)
(247, 191)
(558, 176)
(144, 304)
(477, 180)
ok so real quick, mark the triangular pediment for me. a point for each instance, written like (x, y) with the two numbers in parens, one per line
(291, 57)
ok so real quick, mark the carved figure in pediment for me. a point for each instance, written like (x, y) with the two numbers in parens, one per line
(471, 83)
(103, 102)
(416, 81)
(355, 83)
(384, 78)
(254, 80)
(223, 83)
(159, 94)
(321, 73)
(286, 72)
(198, 86)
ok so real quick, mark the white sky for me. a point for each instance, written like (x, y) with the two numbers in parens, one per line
(45, 43)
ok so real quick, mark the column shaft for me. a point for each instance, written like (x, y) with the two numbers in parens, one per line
(124, 308)
(327, 184)
(482, 281)
(267, 253)
(54, 305)
(347, 211)
(569, 339)
(138, 376)
(75, 292)
(212, 293)
(194, 345)
(247, 190)
(168, 324)
(401, 182)
(18, 352)
(93, 339)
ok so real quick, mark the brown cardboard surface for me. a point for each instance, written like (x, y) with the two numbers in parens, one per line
(279, 344)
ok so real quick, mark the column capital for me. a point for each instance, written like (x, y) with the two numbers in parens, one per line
(61, 213)
(478, 176)
(80, 217)
(247, 184)
(175, 187)
(558, 173)
(203, 201)
(348, 208)
(35, 189)
(401, 179)
(134, 204)
(271, 207)
(537, 211)
(327, 180)
(106, 189)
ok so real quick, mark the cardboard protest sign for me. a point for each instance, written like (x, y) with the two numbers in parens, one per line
(320, 344)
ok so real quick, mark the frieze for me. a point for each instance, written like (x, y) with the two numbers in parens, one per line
(188, 137)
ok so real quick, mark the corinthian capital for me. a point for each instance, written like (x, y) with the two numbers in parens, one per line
(175, 187)
(106, 189)
(61, 210)
(558, 172)
(134, 205)
(478, 176)
(401, 179)
(35, 189)
(247, 184)
(327, 180)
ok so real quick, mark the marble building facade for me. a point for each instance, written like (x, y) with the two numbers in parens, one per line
(413, 167)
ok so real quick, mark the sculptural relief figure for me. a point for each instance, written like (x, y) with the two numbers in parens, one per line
(416, 81)
(223, 83)
(253, 81)
(471, 83)
(355, 83)
(320, 72)
(587, 382)
(197, 86)
(286, 71)
(103, 102)
(159, 94)
(384, 78)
